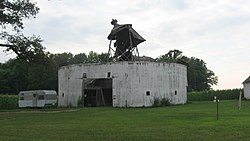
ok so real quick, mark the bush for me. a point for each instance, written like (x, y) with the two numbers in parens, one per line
(8, 102)
(156, 102)
(162, 102)
(209, 95)
(165, 102)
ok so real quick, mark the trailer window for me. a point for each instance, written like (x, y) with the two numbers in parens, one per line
(41, 97)
(26, 97)
(51, 97)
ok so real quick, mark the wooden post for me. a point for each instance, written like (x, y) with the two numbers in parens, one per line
(109, 52)
(217, 101)
(240, 100)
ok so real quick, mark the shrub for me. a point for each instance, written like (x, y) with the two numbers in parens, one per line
(165, 102)
(156, 102)
(8, 102)
(80, 102)
(162, 102)
(209, 95)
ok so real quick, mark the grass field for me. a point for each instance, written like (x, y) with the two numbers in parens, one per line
(196, 121)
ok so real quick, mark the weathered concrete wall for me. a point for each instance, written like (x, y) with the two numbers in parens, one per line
(247, 90)
(132, 81)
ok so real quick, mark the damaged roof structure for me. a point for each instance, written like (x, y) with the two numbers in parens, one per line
(124, 82)
(126, 41)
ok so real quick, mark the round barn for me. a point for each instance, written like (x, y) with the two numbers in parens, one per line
(122, 84)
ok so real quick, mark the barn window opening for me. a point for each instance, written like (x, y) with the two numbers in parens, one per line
(62, 94)
(109, 74)
(175, 92)
(34, 95)
(84, 75)
(147, 93)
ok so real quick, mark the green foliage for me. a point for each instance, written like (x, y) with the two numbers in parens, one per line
(209, 95)
(157, 102)
(80, 58)
(172, 56)
(62, 59)
(165, 102)
(8, 102)
(4, 81)
(42, 76)
(199, 76)
(65, 59)
(14, 76)
(26, 47)
(161, 102)
(16, 11)
(42, 73)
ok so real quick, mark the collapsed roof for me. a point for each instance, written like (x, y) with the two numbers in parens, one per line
(126, 38)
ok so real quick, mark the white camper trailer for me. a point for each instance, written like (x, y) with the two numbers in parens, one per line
(37, 98)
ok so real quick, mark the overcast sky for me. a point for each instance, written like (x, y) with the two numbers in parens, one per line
(216, 31)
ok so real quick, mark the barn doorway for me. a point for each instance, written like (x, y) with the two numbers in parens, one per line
(97, 92)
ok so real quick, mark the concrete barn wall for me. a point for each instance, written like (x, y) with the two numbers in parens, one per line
(131, 82)
(247, 90)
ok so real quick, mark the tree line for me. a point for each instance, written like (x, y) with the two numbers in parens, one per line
(20, 74)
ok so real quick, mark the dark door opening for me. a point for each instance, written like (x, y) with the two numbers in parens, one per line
(97, 92)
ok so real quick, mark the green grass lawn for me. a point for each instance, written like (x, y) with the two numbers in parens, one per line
(196, 121)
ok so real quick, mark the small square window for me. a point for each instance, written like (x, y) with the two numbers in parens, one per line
(84, 75)
(109, 74)
(147, 93)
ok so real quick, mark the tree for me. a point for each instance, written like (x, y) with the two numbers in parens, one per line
(199, 76)
(93, 57)
(11, 19)
(104, 57)
(13, 76)
(43, 75)
(4, 79)
(80, 58)
(173, 56)
(62, 59)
